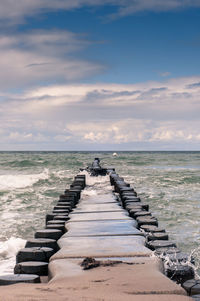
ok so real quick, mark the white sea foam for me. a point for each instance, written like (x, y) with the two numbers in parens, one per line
(21, 180)
(10, 247)
(96, 185)
(7, 266)
(8, 216)
(62, 173)
(89, 192)
(8, 252)
(90, 180)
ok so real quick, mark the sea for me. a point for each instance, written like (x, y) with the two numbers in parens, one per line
(31, 182)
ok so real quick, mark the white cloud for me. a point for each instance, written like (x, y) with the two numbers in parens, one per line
(113, 132)
(20, 136)
(17, 11)
(42, 56)
(134, 131)
(129, 7)
(91, 115)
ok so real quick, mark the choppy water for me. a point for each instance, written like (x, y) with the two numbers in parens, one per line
(30, 183)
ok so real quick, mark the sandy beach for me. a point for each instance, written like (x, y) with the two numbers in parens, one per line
(136, 282)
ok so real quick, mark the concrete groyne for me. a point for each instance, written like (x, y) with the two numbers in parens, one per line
(101, 240)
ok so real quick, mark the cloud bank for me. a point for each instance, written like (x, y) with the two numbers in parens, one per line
(151, 115)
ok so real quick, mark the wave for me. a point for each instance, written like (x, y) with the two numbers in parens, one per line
(10, 247)
(8, 252)
(22, 163)
(91, 181)
(21, 181)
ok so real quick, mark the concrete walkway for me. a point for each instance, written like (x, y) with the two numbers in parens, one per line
(101, 229)
(123, 268)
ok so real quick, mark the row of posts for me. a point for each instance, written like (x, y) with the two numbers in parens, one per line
(178, 266)
(32, 261)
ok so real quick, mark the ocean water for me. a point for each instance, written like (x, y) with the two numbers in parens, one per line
(31, 182)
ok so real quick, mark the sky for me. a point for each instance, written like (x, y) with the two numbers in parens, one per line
(99, 75)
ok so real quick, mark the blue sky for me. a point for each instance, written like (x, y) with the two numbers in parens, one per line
(100, 75)
(139, 47)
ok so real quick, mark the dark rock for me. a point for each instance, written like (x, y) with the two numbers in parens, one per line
(147, 220)
(150, 228)
(157, 236)
(18, 278)
(180, 258)
(128, 193)
(137, 204)
(58, 226)
(32, 267)
(131, 199)
(67, 205)
(192, 287)
(61, 218)
(156, 244)
(142, 213)
(61, 211)
(167, 251)
(133, 211)
(123, 189)
(196, 297)
(56, 222)
(42, 242)
(180, 273)
(62, 207)
(49, 233)
(50, 216)
(34, 254)
(130, 202)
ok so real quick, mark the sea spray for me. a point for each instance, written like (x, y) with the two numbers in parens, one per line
(8, 252)
(14, 181)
